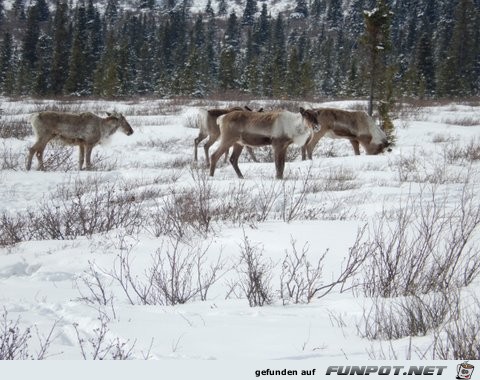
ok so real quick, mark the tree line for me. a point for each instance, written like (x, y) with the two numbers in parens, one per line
(424, 48)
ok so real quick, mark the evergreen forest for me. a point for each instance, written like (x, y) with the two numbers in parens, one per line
(319, 48)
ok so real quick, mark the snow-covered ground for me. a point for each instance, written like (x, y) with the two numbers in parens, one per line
(50, 283)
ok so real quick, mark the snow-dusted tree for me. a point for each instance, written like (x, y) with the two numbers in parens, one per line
(111, 12)
(30, 39)
(222, 7)
(279, 57)
(318, 7)
(458, 72)
(376, 41)
(6, 61)
(77, 72)
(42, 9)
(335, 13)
(19, 9)
(42, 82)
(61, 44)
(301, 8)
(227, 74)
(209, 10)
(2, 13)
(106, 75)
(249, 12)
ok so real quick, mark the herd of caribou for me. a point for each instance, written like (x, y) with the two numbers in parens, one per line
(236, 127)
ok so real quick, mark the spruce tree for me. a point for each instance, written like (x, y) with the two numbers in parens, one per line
(249, 12)
(222, 7)
(42, 84)
(335, 13)
(43, 12)
(262, 27)
(146, 77)
(211, 54)
(77, 80)
(292, 88)
(232, 32)
(424, 63)
(19, 9)
(279, 57)
(228, 56)
(301, 8)
(457, 75)
(10, 63)
(251, 73)
(194, 76)
(377, 43)
(227, 72)
(61, 48)
(318, 7)
(355, 19)
(6, 55)
(111, 12)
(30, 39)
(107, 82)
(306, 79)
(2, 14)
(170, 4)
(209, 10)
(227, 67)
(179, 41)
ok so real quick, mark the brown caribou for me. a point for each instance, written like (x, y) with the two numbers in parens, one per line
(85, 130)
(208, 127)
(356, 126)
(278, 129)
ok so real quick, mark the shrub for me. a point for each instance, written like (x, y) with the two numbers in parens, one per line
(177, 274)
(255, 274)
(427, 248)
(396, 318)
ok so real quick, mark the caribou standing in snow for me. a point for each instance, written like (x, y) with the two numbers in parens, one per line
(85, 130)
(356, 126)
(208, 127)
(278, 129)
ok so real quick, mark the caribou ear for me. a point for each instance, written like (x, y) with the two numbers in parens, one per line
(248, 108)
(260, 110)
(108, 113)
(310, 115)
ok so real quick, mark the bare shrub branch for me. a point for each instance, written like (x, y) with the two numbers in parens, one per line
(176, 275)
(93, 288)
(294, 197)
(389, 319)
(87, 209)
(15, 341)
(428, 247)
(99, 347)
(460, 339)
(354, 261)
(10, 128)
(300, 279)
(9, 159)
(255, 274)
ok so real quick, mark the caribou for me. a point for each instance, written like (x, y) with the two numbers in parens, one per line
(356, 126)
(85, 130)
(278, 129)
(208, 127)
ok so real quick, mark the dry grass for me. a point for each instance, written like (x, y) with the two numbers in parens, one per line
(468, 121)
